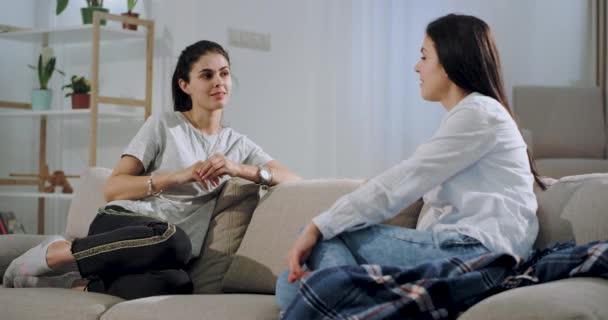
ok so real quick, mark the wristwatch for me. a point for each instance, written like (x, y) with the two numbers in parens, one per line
(265, 175)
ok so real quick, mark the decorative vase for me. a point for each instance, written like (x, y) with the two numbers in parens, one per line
(87, 14)
(81, 100)
(129, 26)
(41, 99)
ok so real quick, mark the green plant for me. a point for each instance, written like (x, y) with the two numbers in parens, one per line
(130, 5)
(62, 4)
(46, 66)
(78, 84)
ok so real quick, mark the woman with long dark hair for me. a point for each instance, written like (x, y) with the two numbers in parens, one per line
(161, 194)
(474, 174)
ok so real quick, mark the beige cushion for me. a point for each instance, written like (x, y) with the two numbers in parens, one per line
(565, 198)
(231, 215)
(274, 227)
(587, 210)
(53, 304)
(575, 298)
(207, 307)
(88, 198)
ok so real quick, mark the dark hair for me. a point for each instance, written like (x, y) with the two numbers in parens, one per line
(189, 56)
(467, 51)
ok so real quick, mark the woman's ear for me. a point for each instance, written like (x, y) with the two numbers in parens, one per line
(184, 86)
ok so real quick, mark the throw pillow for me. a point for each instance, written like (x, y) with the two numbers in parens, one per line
(565, 199)
(88, 198)
(586, 210)
(274, 226)
(232, 213)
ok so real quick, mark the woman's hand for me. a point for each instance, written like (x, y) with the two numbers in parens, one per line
(188, 174)
(215, 167)
(300, 251)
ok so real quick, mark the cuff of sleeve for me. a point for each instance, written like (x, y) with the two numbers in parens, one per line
(323, 222)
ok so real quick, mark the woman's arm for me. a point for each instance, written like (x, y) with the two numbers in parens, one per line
(219, 165)
(280, 173)
(126, 183)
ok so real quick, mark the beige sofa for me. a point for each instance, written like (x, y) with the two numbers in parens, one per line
(243, 254)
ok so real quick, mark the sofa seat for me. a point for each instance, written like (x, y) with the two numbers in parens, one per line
(575, 298)
(203, 307)
(53, 303)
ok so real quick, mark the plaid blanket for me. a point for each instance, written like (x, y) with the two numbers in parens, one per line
(438, 290)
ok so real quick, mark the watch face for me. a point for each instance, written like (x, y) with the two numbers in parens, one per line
(265, 174)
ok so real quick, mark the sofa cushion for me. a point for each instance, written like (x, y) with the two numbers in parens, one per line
(232, 213)
(587, 209)
(552, 228)
(575, 298)
(207, 307)
(274, 227)
(53, 303)
(88, 197)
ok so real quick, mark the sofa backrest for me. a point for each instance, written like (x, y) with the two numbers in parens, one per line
(565, 122)
(88, 197)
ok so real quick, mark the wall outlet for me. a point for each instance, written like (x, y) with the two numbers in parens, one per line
(249, 39)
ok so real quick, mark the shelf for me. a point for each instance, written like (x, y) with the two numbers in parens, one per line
(76, 34)
(70, 113)
(63, 196)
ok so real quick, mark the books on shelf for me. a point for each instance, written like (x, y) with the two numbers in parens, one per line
(9, 223)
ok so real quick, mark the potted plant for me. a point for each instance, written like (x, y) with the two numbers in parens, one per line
(81, 87)
(41, 98)
(130, 5)
(86, 12)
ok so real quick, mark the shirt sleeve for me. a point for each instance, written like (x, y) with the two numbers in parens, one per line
(254, 155)
(145, 145)
(464, 137)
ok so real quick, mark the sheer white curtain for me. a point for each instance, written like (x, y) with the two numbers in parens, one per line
(380, 116)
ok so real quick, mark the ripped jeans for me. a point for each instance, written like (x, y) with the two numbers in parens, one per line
(382, 245)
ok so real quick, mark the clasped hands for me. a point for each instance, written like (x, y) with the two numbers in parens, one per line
(209, 172)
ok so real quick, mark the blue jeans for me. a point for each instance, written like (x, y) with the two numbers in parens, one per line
(382, 245)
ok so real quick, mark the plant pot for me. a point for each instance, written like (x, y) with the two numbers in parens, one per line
(87, 14)
(81, 100)
(41, 99)
(129, 26)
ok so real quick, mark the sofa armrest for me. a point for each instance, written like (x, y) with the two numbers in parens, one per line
(14, 245)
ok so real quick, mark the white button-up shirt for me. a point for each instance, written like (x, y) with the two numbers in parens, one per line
(473, 175)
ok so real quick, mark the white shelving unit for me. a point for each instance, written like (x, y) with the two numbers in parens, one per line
(47, 195)
(82, 113)
(93, 34)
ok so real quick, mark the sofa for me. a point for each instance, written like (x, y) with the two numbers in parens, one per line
(566, 128)
(252, 229)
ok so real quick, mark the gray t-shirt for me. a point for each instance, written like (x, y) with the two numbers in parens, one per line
(169, 143)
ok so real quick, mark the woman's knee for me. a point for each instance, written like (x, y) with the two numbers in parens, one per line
(177, 245)
(181, 246)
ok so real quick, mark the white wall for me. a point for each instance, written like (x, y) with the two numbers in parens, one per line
(296, 100)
